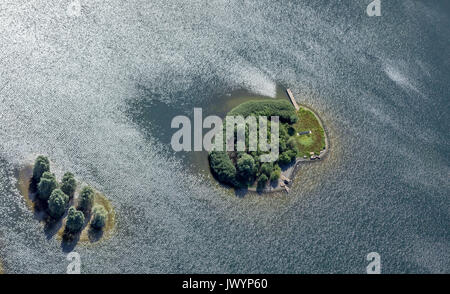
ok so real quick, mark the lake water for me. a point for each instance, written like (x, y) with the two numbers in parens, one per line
(96, 92)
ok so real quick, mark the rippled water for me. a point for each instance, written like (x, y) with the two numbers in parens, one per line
(78, 89)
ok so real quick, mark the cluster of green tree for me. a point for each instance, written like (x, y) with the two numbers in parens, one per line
(288, 148)
(247, 169)
(58, 197)
(240, 169)
(75, 220)
(222, 167)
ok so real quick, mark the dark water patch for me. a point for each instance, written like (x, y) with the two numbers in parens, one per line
(153, 118)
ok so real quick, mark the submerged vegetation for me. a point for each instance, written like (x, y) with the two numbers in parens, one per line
(57, 203)
(267, 108)
(300, 135)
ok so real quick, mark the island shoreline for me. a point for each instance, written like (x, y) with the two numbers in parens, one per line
(292, 170)
(85, 237)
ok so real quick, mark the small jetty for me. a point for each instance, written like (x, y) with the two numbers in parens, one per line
(291, 97)
(285, 179)
(284, 182)
(288, 172)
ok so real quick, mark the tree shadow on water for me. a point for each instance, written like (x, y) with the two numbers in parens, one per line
(52, 227)
(240, 192)
(40, 212)
(273, 184)
(94, 234)
(69, 241)
(32, 188)
(286, 166)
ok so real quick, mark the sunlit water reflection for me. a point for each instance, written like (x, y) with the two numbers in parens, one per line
(74, 88)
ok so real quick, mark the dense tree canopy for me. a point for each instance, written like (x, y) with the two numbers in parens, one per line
(266, 168)
(41, 165)
(57, 203)
(284, 158)
(99, 217)
(75, 220)
(276, 173)
(262, 181)
(86, 199)
(300, 133)
(46, 185)
(68, 184)
(245, 167)
(222, 167)
(241, 169)
(55, 199)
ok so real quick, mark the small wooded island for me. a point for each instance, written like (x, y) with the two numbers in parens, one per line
(74, 211)
(301, 138)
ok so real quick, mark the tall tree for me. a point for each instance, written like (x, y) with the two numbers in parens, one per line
(46, 185)
(57, 203)
(68, 184)
(86, 199)
(245, 167)
(75, 220)
(41, 165)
